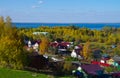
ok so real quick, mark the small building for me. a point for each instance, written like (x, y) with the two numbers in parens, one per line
(29, 44)
(116, 58)
(38, 33)
(73, 54)
(62, 47)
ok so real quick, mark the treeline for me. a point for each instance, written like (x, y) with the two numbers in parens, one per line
(108, 35)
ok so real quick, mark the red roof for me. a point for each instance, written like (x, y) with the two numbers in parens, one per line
(99, 63)
(54, 44)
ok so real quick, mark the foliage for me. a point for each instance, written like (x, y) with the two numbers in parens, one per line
(67, 68)
(111, 69)
(78, 35)
(44, 45)
(117, 51)
(11, 48)
(86, 50)
(102, 39)
(69, 58)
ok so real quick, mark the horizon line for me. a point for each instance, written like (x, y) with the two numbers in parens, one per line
(69, 22)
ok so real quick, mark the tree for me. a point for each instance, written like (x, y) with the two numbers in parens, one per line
(44, 45)
(112, 39)
(8, 21)
(116, 51)
(86, 50)
(11, 53)
(1, 25)
(1, 20)
(11, 47)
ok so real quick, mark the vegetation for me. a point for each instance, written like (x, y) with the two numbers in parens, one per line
(101, 39)
(11, 46)
(44, 45)
(67, 68)
(8, 73)
(13, 55)
(78, 35)
(86, 50)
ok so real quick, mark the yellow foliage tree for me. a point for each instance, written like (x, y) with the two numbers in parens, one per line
(44, 45)
(86, 50)
(11, 48)
(1, 25)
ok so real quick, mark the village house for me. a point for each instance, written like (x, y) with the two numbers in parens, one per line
(78, 49)
(62, 47)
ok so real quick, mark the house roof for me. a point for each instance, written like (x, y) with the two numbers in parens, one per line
(55, 44)
(91, 69)
(116, 58)
(79, 47)
(99, 63)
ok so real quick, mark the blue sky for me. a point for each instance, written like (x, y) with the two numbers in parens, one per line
(61, 11)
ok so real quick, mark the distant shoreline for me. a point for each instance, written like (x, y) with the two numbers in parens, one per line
(72, 23)
(86, 25)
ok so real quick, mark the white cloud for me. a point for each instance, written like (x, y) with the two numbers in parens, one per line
(34, 6)
(40, 2)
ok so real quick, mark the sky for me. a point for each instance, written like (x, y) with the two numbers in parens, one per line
(61, 11)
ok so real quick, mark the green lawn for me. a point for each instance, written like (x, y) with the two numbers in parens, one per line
(8, 73)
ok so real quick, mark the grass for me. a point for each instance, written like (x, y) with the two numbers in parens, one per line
(9, 73)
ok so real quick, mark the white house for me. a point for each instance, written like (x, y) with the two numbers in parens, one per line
(73, 54)
(29, 44)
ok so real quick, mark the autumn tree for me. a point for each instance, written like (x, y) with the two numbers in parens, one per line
(1, 25)
(1, 20)
(112, 39)
(11, 48)
(85, 52)
(44, 45)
